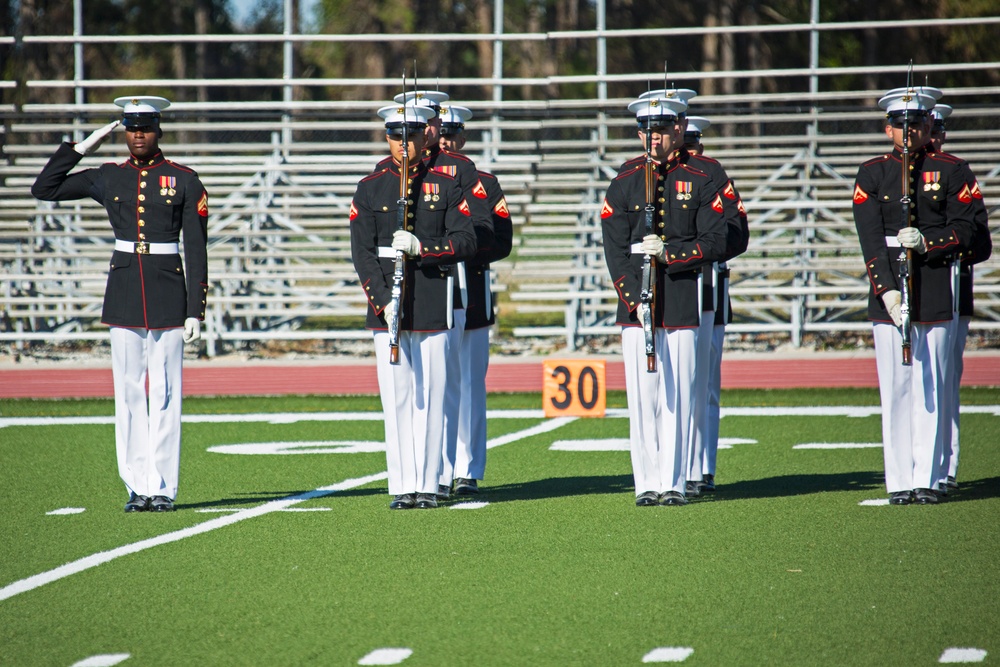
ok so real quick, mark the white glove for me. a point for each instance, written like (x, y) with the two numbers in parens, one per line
(388, 312)
(910, 237)
(192, 330)
(892, 300)
(653, 246)
(96, 138)
(406, 242)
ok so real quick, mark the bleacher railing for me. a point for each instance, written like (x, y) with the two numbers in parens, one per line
(281, 176)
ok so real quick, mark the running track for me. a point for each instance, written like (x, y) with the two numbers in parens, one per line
(221, 378)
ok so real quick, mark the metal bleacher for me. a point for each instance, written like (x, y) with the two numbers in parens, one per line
(281, 176)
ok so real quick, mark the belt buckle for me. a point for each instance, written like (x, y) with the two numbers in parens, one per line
(142, 248)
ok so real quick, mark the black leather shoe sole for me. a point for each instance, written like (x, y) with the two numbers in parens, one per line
(901, 498)
(673, 498)
(926, 497)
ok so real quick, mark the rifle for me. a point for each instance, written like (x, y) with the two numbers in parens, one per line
(399, 264)
(647, 296)
(906, 255)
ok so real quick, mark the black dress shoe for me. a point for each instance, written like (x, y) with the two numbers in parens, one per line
(952, 483)
(707, 484)
(426, 501)
(404, 501)
(672, 498)
(444, 492)
(646, 499)
(466, 487)
(692, 489)
(137, 503)
(926, 496)
(901, 498)
(161, 504)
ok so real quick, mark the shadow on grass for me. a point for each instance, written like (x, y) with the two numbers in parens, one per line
(555, 487)
(249, 499)
(798, 485)
(976, 489)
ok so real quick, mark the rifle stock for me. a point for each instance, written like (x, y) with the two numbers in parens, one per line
(399, 263)
(906, 256)
(647, 296)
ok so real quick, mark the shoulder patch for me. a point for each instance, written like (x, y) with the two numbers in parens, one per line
(501, 208)
(606, 210)
(717, 203)
(730, 191)
(965, 195)
(464, 207)
(479, 191)
(203, 204)
(354, 211)
(976, 192)
(860, 196)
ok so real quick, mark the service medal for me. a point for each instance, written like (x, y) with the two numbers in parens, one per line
(427, 197)
(435, 197)
(163, 192)
(683, 190)
(171, 192)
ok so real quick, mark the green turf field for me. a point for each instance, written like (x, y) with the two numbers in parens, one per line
(295, 559)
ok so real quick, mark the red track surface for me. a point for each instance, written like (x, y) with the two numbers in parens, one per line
(271, 378)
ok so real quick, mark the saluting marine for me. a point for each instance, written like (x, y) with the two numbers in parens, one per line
(689, 232)
(465, 451)
(151, 309)
(940, 208)
(438, 234)
(982, 248)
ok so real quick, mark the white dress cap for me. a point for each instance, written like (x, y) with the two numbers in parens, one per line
(656, 110)
(936, 93)
(455, 115)
(941, 111)
(684, 94)
(697, 125)
(397, 114)
(146, 104)
(902, 100)
(422, 98)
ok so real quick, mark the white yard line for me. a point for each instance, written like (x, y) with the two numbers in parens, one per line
(77, 566)
(612, 413)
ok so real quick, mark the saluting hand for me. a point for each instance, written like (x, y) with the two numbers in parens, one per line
(96, 138)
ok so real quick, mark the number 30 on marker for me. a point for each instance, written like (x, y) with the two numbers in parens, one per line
(573, 387)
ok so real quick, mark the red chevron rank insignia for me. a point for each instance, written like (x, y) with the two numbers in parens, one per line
(203, 204)
(976, 192)
(741, 208)
(730, 191)
(354, 212)
(464, 208)
(606, 210)
(965, 196)
(860, 196)
(717, 204)
(479, 191)
(501, 208)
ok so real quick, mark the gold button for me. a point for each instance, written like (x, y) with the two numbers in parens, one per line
(143, 172)
(142, 209)
(627, 294)
(142, 197)
(631, 303)
(178, 270)
(142, 184)
(661, 224)
(142, 223)
(116, 198)
(437, 247)
(409, 228)
(432, 206)
(142, 236)
(385, 208)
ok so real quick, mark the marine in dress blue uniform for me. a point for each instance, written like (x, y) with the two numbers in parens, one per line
(690, 233)
(941, 228)
(982, 248)
(153, 302)
(439, 233)
(465, 450)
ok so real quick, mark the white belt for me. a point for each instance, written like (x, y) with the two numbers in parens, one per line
(892, 242)
(387, 251)
(143, 248)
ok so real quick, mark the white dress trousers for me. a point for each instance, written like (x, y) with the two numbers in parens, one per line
(659, 407)
(470, 455)
(916, 411)
(413, 394)
(698, 434)
(949, 464)
(148, 435)
(713, 409)
(453, 397)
